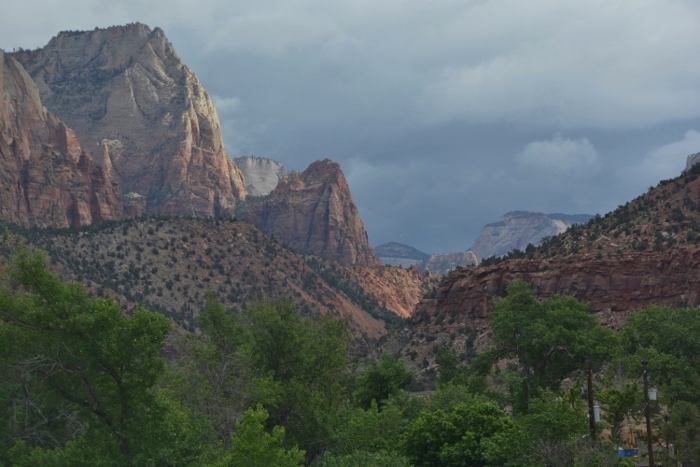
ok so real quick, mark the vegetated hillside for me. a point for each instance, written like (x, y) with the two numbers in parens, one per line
(168, 265)
(645, 252)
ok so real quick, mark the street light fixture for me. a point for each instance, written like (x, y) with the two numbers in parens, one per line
(648, 396)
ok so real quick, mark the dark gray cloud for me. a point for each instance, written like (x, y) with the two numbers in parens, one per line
(446, 114)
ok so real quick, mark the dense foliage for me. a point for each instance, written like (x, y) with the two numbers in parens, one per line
(83, 384)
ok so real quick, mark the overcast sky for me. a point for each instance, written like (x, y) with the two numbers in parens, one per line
(444, 115)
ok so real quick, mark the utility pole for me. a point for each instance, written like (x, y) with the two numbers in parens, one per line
(591, 410)
(646, 413)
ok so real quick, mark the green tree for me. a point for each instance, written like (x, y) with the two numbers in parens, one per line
(252, 446)
(78, 377)
(381, 379)
(550, 339)
(463, 436)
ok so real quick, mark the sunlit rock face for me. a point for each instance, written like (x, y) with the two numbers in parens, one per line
(516, 230)
(144, 116)
(46, 179)
(314, 211)
(692, 160)
(260, 173)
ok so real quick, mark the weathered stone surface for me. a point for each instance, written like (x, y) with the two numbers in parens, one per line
(45, 177)
(442, 264)
(516, 230)
(314, 211)
(692, 160)
(260, 173)
(617, 284)
(398, 290)
(398, 254)
(145, 115)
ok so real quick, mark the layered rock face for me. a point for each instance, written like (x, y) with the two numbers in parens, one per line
(399, 290)
(260, 173)
(144, 116)
(442, 264)
(691, 160)
(314, 211)
(615, 285)
(516, 230)
(398, 254)
(46, 179)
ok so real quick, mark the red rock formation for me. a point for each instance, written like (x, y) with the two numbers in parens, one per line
(45, 177)
(314, 211)
(615, 285)
(144, 114)
(399, 290)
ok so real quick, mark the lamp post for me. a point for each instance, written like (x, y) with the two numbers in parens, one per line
(591, 408)
(646, 413)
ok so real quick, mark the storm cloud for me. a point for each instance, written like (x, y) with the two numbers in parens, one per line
(443, 115)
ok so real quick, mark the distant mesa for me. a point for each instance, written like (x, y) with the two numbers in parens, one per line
(314, 211)
(517, 229)
(260, 173)
(444, 263)
(398, 254)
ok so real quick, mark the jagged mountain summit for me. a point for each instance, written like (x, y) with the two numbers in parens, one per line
(46, 179)
(314, 211)
(260, 173)
(143, 115)
(398, 254)
(517, 229)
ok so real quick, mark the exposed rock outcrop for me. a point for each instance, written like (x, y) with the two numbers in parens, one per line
(442, 264)
(618, 284)
(314, 211)
(261, 174)
(516, 230)
(692, 160)
(46, 179)
(398, 290)
(398, 254)
(143, 113)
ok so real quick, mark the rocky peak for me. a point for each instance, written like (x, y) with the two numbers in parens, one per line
(143, 113)
(314, 211)
(46, 179)
(518, 229)
(261, 174)
(398, 254)
(692, 160)
(443, 264)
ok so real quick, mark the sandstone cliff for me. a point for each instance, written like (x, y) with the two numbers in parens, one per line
(144, 116)
(314, 211)
(443, 264)
(516, 230)
(398, 254)
(691, 160)
(260, 173)
(46, 179)
(399, 290)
